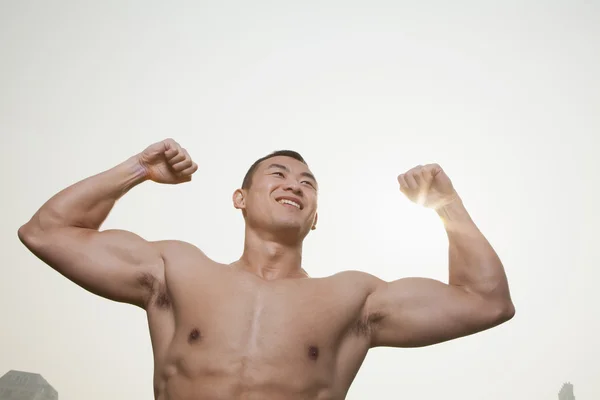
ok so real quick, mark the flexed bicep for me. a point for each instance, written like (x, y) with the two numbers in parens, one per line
(414, 312)
(114, 264)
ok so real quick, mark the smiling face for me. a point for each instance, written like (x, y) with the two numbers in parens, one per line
(281, 197)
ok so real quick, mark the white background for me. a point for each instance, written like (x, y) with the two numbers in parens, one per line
(505, 96)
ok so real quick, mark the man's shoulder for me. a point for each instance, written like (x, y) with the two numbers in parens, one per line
(355, 279)
(169, 245)
(181, 252)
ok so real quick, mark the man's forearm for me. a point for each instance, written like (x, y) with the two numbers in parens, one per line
(474, 264)
(87, 203)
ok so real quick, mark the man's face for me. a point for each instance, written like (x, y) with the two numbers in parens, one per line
(282, 197)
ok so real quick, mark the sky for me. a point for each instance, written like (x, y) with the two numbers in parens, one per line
(504, 96)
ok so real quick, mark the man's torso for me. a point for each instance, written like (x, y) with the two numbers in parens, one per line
(222, 333)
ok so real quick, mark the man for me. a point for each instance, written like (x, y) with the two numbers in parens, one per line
(260, 328)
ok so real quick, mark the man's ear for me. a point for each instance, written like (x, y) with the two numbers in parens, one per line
(239, 199)
(314, 226)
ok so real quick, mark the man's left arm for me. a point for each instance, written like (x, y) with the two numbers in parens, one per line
(413, 312)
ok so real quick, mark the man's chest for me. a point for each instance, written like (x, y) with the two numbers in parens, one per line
(254, 315)
(227, 325)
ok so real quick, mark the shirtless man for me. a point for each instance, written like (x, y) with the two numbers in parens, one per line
(260, 328)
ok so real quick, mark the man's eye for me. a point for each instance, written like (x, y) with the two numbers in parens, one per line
(278, 173)
(309, 183)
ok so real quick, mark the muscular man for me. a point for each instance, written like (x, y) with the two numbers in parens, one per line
(260, 328)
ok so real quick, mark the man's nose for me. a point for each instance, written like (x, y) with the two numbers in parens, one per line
(294, 186)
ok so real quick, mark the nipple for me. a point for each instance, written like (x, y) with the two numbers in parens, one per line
(194, 336)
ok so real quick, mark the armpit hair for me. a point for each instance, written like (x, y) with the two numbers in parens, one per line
(364, 325)
(157, 291)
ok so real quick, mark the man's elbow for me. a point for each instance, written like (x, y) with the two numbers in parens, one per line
(25, 233)
(503, 312)
(29, 234)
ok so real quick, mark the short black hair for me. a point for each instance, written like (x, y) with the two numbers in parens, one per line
(286, 153)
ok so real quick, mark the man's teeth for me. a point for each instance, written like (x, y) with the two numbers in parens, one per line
(292, 203)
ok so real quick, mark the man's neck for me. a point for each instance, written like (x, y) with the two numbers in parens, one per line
(271, 260)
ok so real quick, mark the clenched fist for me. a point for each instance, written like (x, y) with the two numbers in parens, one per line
(167, 162)
(427, 185)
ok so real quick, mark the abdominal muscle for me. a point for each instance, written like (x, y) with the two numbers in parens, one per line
(221, 372)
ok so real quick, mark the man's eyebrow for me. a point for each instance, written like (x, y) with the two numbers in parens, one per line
(309, 175)
(283, 167)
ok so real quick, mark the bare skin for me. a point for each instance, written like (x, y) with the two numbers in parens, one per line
(260, 328)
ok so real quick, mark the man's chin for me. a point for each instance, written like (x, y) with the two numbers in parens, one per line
(287, 226)
(291, 228)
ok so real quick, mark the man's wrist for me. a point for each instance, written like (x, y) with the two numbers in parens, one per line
(135, 173)
(454, 211)
(139, 170)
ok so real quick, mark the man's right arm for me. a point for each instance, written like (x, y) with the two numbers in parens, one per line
(114, 264)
